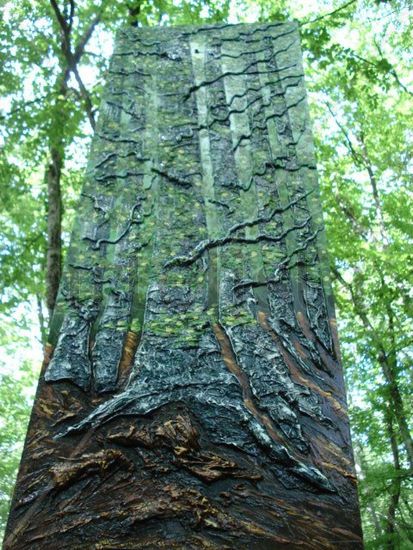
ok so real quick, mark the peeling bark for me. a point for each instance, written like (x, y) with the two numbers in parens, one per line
(194, 397)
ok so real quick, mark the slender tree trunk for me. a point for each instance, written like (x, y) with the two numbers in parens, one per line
(389, 365)
(54, 227)
(70, 57)
(388, 368)
(363, 465)
(386, 360)
(395, 487)
(42, 321)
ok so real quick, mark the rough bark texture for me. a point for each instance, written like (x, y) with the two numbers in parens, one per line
(54, 227)
(194, 397)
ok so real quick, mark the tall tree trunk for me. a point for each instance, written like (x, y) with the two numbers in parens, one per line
(42, 321)
(369, 492)
(388, 368)
(395, 487)
(54, 227)
(195, 397)
(70, 57)
(386, 359)
(389, 365)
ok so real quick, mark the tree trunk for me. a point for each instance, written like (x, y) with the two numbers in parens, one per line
(388, 367)
(54, 227)
(69, 59)
(195, 397)
(395, 486)
(363, 469)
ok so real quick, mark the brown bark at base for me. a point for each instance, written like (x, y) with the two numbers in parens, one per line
(158, 484)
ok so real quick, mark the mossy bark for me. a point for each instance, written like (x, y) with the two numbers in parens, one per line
(194, 397)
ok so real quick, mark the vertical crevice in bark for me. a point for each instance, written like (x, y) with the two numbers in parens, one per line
(212, 217)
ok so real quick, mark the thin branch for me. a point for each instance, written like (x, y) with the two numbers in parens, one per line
(84, 39)
(374, 187)
(356, 225)
(357, 158)
(329, 14)
(73, 57)
(71, 14)
(86, 98)
(392, 71)
(358, 307)
(60, 17)
(25, 104)
(399, 82)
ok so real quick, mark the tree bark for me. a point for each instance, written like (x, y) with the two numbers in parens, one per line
(195, 397)
(386, 356)
(369, 492)
(398, 409)
(70, 57)
(54, 227)
(395, 487)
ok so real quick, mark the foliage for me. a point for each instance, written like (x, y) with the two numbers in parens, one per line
(362, 108)
(357, 57)
(15, 405)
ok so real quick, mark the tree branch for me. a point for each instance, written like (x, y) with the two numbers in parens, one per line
(71, 14)
(356, 157)
(329, 14)
(392, 70)
(84, 39)
(60, 17)
(84, 94)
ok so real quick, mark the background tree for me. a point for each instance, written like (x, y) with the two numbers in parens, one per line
(357, 66)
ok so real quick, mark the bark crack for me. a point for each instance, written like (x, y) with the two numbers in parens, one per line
(208, 244)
